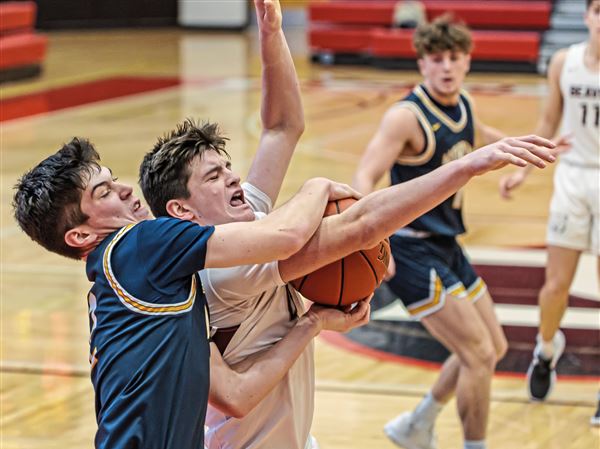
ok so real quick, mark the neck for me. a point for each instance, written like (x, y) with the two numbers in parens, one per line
(446, 100)
(591, 57)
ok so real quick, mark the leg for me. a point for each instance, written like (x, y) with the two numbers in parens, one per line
(560, 270)
(461, 329)
(443, 389)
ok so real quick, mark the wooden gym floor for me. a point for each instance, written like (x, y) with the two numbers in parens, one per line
(46, 396)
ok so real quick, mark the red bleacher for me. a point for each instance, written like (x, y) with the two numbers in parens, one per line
(503, 31)
(22, 50)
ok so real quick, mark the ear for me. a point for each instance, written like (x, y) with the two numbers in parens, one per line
(80, 237)
(178, 209)
(421, 65)
(468, 63)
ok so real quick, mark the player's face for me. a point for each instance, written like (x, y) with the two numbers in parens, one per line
(109, 204)
(216, 196)
(444, 73)
(592, 20)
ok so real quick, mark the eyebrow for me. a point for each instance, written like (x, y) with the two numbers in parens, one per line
(103, 183)
(216, 169)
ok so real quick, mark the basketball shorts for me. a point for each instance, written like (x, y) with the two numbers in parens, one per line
(429, 270)
(574, 209)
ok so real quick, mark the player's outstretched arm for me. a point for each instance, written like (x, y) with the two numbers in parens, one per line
(237, 391)
(281, 106)
(280, 234)
(380, 213)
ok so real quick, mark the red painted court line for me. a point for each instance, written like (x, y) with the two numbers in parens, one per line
(79, 94)
(345, 343)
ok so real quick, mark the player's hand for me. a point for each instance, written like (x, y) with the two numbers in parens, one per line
(342, 320)
(518, 151)
(510, 182)
(391, 270)
(563, 144)
(339, 191)
(268, 15)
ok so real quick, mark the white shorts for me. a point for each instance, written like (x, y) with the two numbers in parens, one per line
(574, 209)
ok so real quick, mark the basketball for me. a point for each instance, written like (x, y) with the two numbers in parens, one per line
(349, 279)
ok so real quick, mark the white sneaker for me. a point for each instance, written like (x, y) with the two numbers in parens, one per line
(313, 443)
(408, 434)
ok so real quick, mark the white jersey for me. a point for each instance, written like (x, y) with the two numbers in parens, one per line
(256, 298)
(580, 88)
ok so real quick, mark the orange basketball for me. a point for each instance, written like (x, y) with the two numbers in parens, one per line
(347, 280)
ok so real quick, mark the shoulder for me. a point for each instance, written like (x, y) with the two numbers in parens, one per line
(403, 114)
(558, 61)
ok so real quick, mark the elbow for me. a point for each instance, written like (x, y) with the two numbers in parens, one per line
(294, 242)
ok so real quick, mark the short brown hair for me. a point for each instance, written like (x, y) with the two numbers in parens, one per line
(440, 35)
(47, 201)
(165, 170)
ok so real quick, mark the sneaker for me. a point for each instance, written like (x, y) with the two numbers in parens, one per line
(408, 434)
(314, 443)
(541, 375)
(595, 420)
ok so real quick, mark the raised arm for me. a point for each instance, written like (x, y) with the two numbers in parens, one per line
(547, 125)
(395, 130)
(237, 391)
(281, 107)
(380, 213)
(277, 236)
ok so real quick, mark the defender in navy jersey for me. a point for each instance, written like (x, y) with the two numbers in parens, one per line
(430, 127)
(149, 349)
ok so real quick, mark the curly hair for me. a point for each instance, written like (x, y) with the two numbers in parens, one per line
(440, 35)
(165, 170)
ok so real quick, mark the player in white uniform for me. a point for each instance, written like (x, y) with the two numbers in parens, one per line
(573, 225)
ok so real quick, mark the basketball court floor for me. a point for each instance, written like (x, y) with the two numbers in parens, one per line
(122, 89)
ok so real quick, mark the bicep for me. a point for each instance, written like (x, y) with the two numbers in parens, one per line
(552, 111)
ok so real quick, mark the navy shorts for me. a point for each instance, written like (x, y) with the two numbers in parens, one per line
(428, 270)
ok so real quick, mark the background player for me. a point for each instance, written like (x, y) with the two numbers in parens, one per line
(574, 98)
(433, 125)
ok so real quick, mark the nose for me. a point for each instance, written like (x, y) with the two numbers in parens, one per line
(125, 191)
(233, 178)
(446, 63)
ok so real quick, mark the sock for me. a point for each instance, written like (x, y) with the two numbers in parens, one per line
(471, 444)
(545, 348)
(427, 410)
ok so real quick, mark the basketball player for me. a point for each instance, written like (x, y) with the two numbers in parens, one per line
(574, 98)
(432, 126)
(149, 349)
(187, 175)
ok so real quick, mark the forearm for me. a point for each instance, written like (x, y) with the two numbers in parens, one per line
(384, 211)
(281, 108)
(237, 392)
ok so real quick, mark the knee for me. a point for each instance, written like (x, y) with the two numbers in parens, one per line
(501, 347)
(480, 356)
(557, 289)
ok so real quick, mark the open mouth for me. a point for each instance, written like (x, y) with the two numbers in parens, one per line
(237, 199)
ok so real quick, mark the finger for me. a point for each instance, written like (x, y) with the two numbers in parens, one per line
(541, 152)
(537, 140)
(522, 154)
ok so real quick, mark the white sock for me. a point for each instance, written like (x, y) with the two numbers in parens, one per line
(471, 444)
(545, 348)
(427, 410)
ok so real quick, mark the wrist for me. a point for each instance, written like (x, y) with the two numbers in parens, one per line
(311, 322)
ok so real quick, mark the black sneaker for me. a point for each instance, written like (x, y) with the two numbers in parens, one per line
(541, 375)
(540, 378)
(595, 420)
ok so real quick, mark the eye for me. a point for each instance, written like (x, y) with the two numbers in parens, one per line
(115, 179)
(105, 193)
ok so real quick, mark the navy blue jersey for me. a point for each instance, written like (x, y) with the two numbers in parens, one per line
(449, 134)
(149, 336)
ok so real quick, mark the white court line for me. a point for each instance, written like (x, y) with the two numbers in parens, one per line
(509, 315)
